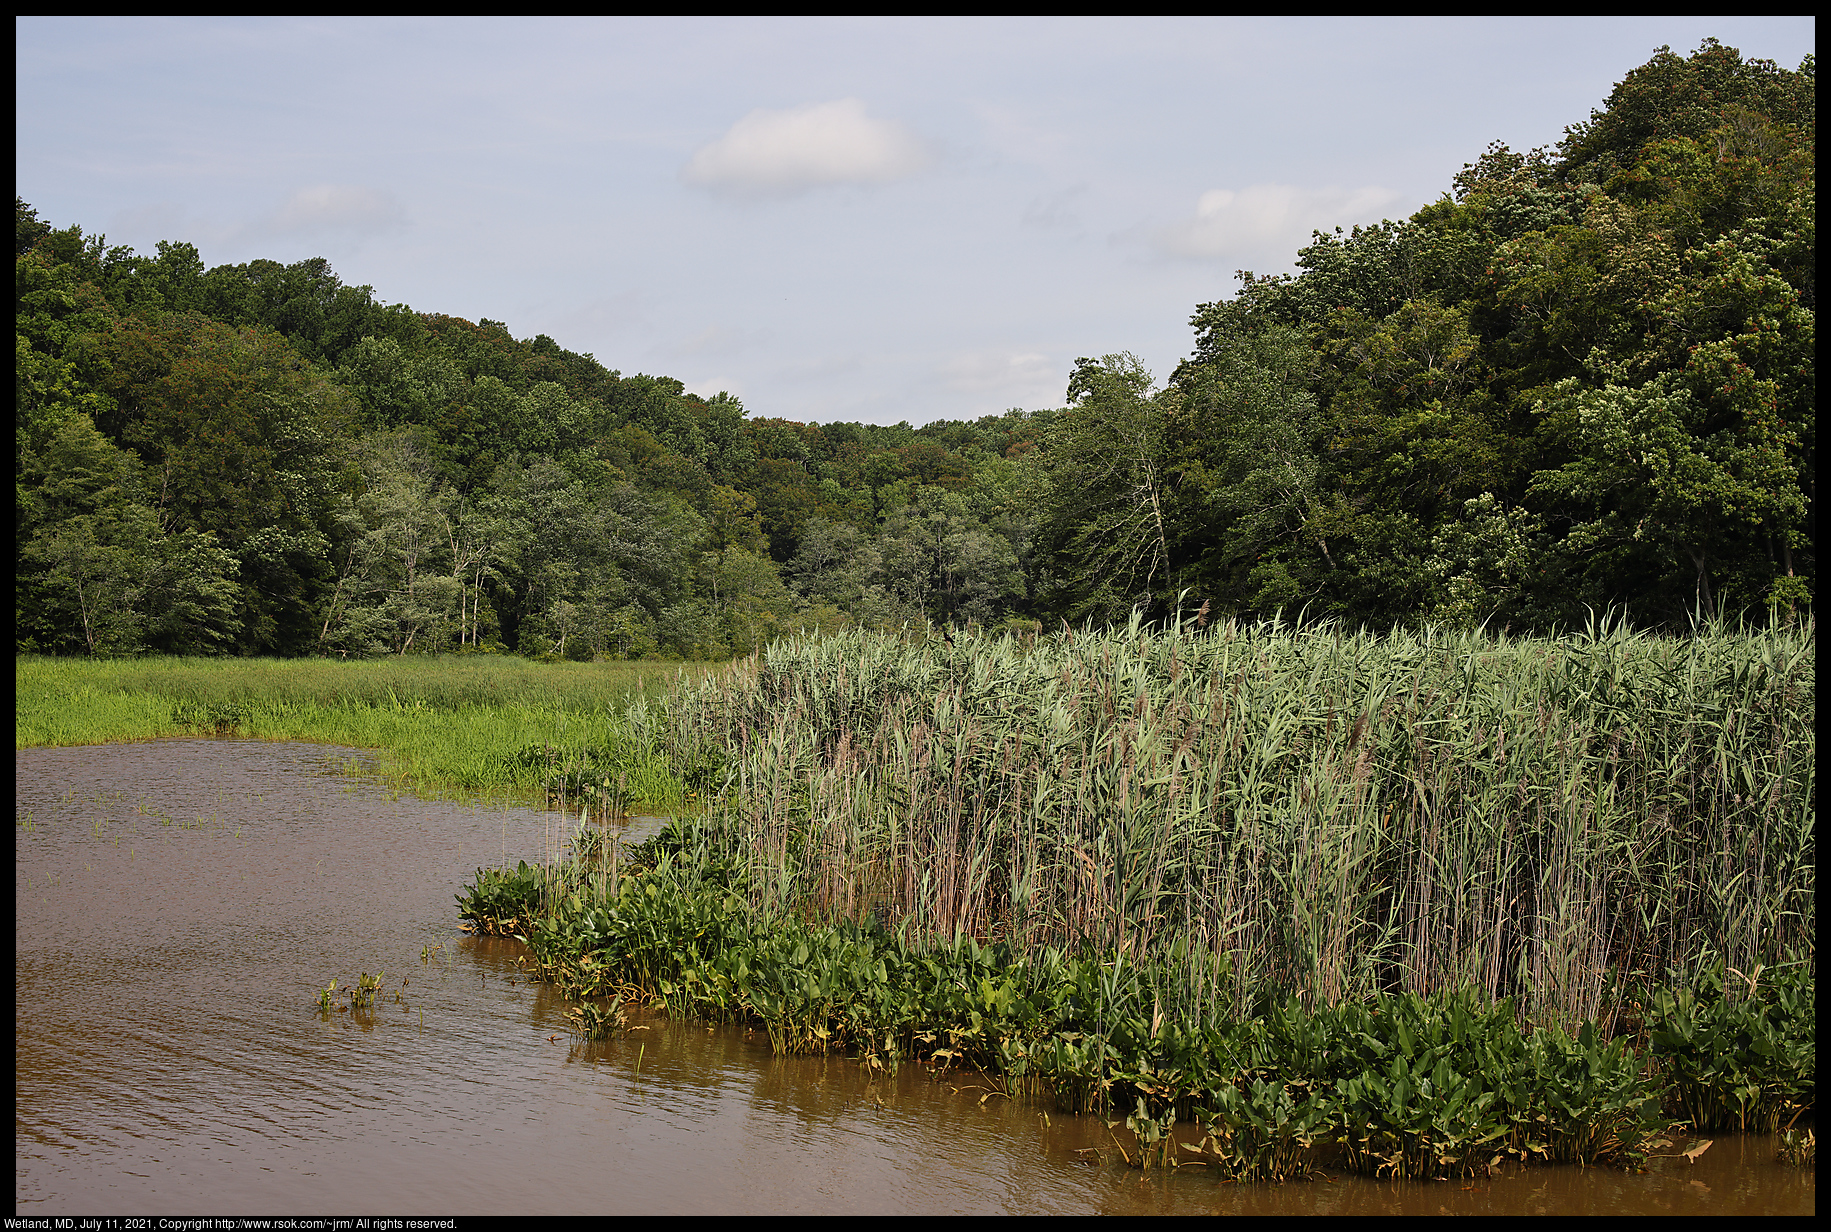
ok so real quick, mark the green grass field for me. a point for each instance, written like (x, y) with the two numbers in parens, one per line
(442, 724)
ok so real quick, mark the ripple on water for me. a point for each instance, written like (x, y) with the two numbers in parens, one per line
(180, 902)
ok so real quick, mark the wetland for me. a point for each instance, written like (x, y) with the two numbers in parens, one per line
(180, 902)
(937, 901)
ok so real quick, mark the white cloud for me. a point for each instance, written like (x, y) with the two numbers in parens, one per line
(336, 207)
(1275, 218)
(780, 153)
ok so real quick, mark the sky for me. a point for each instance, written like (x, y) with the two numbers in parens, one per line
(868, 220)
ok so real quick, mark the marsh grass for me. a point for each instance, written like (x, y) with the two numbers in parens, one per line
(1324, 813)
(1434, 901)
(441, 724)
(1407, 1086)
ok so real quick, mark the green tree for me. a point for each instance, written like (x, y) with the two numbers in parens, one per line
(834, 563)
(1110, 523)
(97, 573)
(1250, 473)
(1678, 96)
(242, 441)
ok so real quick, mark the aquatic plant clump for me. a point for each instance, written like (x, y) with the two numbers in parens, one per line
(501, 902)
(1739, 1050)
(359, 996)
(1798, 1147)
(596, 1020)
(1403, 1085)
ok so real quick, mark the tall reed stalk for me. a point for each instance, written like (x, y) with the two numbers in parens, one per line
(1323, 812)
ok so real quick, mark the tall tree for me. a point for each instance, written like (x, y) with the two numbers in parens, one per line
(1107, 463)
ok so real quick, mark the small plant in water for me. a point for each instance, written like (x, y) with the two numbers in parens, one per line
(366, 987)
(1798, 1147)
(1155, 1144)
(588, 843)
(594, 1020)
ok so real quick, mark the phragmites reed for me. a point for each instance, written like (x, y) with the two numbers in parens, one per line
(1308, 809)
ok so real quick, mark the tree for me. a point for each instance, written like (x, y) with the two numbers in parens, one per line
(1657, 492)
(834, 563)
(1488, 565)
(242, 441)
(97, 572)
(1674, 96)
(407, 559)
(1251, 479)
(1690, 438)
(1109, 525)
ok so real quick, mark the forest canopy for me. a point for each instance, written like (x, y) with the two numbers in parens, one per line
(1580, 380)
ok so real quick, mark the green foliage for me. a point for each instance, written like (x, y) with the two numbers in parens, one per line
(1448, 1087)
(444, 724)
(1675, 96)
(1313, 893)
(1414, 1087)
(597, 1020)
(1334, 813)
(97, 572)
(1609, 349)
(502, 902)
(1740, 1051)
(1580, 380)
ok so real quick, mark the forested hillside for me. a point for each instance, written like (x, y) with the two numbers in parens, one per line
(1582, 378)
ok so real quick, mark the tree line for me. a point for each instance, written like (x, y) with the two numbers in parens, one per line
(1582, 379)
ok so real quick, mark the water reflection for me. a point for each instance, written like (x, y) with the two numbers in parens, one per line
(179, 904)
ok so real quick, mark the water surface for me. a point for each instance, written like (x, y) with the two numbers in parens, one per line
(179, 904)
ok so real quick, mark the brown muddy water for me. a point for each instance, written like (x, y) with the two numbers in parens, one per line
(181, 902)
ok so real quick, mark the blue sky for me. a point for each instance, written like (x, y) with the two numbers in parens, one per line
(834, 219)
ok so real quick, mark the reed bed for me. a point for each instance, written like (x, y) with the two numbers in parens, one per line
(1432, 902)
(1329, 814)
